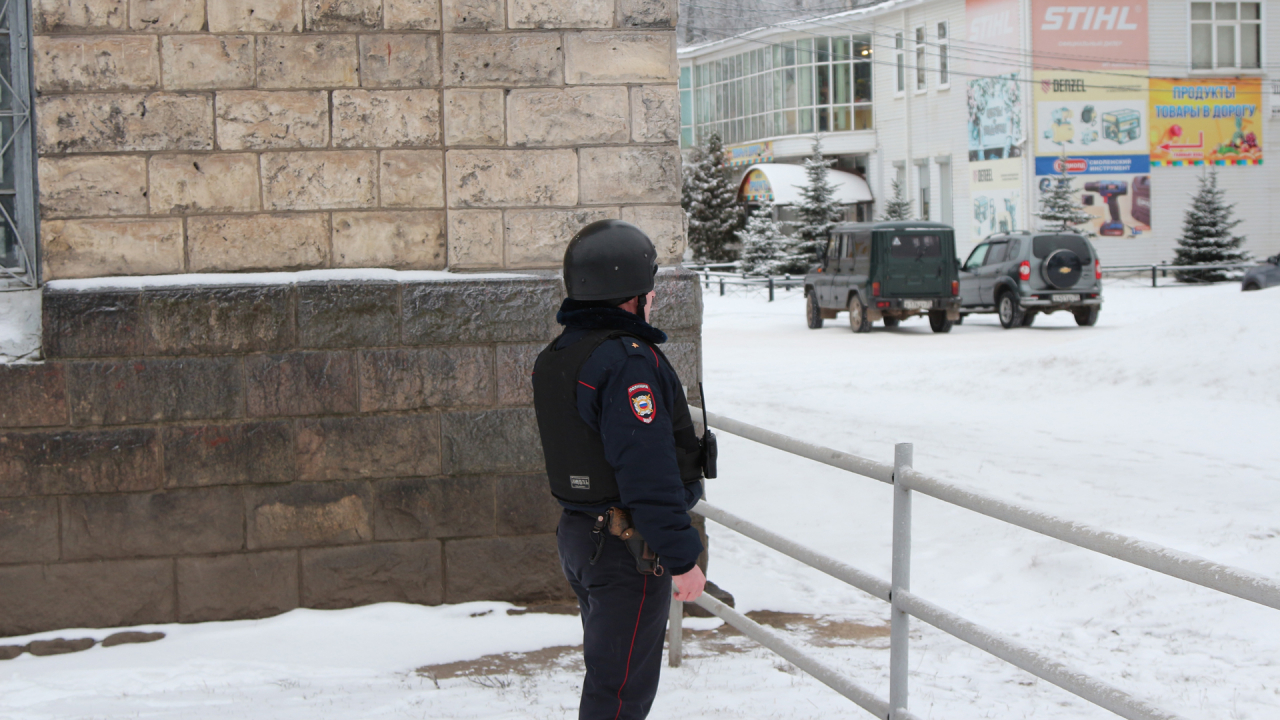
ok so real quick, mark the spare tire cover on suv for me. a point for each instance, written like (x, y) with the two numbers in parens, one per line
(1062, 269)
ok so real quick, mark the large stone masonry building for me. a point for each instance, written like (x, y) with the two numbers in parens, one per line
(289, 428)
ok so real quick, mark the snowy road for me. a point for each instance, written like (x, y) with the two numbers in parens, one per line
(1161, 422)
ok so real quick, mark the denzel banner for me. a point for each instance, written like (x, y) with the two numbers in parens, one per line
(1206, 122)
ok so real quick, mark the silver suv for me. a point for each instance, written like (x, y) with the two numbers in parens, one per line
(1019, 275)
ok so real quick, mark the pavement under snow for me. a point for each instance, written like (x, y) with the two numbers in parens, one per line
(1160, 422)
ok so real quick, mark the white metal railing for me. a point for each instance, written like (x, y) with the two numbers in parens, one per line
(905, 604)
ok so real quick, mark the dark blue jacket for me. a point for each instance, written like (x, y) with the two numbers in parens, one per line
(643, 455)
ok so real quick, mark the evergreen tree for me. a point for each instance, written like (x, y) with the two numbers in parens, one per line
(818, 209)
(1060, 210)
(765, 249)
(1206, 234)
(898, 207)
(711, 202)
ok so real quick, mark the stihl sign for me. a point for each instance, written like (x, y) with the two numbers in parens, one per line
(1085, 17)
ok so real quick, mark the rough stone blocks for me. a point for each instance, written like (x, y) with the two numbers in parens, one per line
(123, 123)
(234, 587)
(93, 185)
(80, 461)
(647, 13)
(666, 225)
(620, 57)
(503, 440)
(507, 60)
(386, 118)
(655, 114)
(342, 577)
(34, 395)
(411, 508)
(479, 311)
(474, 117)
(96, 63)
(514, 368)
(218, 321)
(645, 174)
(258, 120)
(353, 315)
(309, 514)
(61, 16)
(391, 61)
(143, 390)
(537, 238)
(402, 240)
(177, 522)
(239, 454)
(525, 568)
(413, 379)
(207, 62)
(473, 14)
(501, 178)
(300, 383)
(28, 530)
(525, 505)
(475, 238)
(411, 14)
(93, 324)
(366, 446)
(257, 242)
(182, 184)
(167, 16)
(307, 61)
(257, 16)
(561, 13)
(329, 179)
(342, 15)
(87, 594)
(411, 178)
(568, 116)
(91, 248)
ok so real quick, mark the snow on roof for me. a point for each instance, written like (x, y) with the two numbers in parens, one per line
(783, 182)
(139, 282)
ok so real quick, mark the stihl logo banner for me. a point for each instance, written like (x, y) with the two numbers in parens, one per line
(1091, 36)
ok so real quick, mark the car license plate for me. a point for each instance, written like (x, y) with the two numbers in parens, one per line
(917, 304)
(1065, 298)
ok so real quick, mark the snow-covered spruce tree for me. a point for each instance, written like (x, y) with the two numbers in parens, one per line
(711, 202)
(765, 249)
(818, 211)
(897, 207)
(1206, 234)
(1060, 209)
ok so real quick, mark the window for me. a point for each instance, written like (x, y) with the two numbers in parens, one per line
(920, 81)
(944, 67)
(944, 191)
(1226, 35)
(915, 246)
(923, 170)
(686, 107)
(18, 267)
(902, 62)
(996, 254)
(809, 84)
(976, 257)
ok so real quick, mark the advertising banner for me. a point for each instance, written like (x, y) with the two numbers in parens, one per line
(993, 25)
(1212, 121)
(996, 188)
(995, 118)
(749, 154)
(1120, 204)
(1086, 35)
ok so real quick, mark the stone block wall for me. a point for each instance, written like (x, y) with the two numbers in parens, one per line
(234, 135)
(209, 453)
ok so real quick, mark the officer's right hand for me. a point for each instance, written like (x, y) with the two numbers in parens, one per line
(688, 587)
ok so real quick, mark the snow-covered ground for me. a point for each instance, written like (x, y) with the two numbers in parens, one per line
(1160, 422)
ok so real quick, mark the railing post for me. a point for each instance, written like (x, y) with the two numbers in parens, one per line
(1153, 276)
(721, 287)
(770, 288)
(675, 632)
(899, 620)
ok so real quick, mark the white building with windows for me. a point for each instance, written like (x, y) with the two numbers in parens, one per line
(974, 107)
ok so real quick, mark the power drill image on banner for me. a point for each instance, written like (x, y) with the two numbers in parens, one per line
(1120, 204)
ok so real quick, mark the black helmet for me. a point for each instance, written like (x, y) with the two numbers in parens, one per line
(608, 260)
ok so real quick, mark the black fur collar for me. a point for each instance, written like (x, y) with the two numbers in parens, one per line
(577, 314)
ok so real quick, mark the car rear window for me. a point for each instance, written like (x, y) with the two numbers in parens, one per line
(1043, 247)
(914, 246)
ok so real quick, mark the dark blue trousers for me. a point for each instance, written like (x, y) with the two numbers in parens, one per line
(624, 619)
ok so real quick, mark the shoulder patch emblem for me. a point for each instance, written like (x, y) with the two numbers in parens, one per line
(642, 404)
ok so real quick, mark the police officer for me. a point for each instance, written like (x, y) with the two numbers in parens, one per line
(623, 459)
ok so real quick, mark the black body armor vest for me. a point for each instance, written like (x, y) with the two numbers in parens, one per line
(574, 452)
